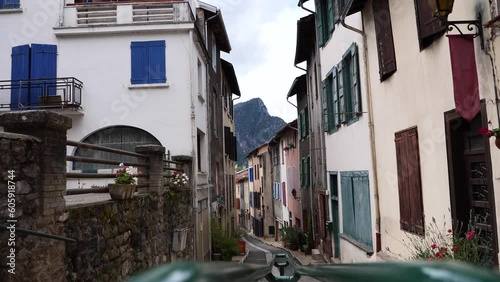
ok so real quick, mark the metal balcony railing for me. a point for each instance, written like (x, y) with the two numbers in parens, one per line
(116, 13)
(32, 94)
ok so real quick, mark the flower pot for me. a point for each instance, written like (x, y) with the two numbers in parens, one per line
(497, 141)
(121, 191)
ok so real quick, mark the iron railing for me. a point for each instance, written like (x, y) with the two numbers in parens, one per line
(373, 272)
(32, 94)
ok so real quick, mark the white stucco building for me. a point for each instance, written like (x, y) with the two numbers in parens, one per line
(126, 72)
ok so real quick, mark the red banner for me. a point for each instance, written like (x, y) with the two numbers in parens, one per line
(465, 82)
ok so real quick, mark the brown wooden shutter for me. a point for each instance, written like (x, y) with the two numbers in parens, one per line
(401, 158)
(429, 28)
(414, 182)
(409, 181)
(385, 41)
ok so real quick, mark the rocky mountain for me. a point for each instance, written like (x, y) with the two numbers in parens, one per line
(254, 126)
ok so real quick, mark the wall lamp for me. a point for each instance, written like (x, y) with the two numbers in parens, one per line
(442, 8)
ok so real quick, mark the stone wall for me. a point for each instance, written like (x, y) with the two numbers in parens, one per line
(113, 239)
(36, 259)
(119, 238)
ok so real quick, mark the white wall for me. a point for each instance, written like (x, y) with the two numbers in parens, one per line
(418, 94)
(348, 149)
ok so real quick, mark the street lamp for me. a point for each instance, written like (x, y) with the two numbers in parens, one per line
(442, 8)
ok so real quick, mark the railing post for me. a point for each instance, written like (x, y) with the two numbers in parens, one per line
(155, 170)
(51, 129)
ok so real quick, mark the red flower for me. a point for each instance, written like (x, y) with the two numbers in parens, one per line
(430, 259)
(449, 231)
(470, 234)
(433, 246)
(443, 249)
(438, 255)
(455, 248)
(485, 131)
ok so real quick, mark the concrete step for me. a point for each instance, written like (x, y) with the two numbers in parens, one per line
(316, 255)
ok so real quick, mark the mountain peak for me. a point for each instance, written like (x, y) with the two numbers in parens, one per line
(254, 126)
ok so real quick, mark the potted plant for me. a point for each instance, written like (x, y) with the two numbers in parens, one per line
(124, 186)
(290, 238)
(490, 132)
(224, 246)
(179, 179)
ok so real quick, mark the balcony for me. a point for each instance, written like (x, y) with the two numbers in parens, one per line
(63, 95)
(124, 16)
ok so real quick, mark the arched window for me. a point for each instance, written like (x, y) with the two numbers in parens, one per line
(118, 137)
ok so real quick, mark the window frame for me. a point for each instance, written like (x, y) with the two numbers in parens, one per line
(326, 16)
(15, 4)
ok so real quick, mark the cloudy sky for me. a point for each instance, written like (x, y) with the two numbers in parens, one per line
(262, 35)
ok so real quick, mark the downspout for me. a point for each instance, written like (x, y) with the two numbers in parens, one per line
(370, 116)
(194, 136)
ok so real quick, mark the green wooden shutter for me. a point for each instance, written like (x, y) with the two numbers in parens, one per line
(325, 105)
(319, 23)
(301, 169)
(306, 122)
(330, 16)
(341, 90)
(356, 87)
(361, 193)
(308, 171)
(335, 100)
(349, 224)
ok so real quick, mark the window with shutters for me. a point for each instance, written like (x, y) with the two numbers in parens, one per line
(409, 181)
(148, 62)
(429, 28)
(385, 41)
(356, 212)
(9, 4)
(325, 20)
(342, 92)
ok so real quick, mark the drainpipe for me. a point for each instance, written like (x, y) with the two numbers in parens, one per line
(301, 4)
(194, 136)
(370, 115)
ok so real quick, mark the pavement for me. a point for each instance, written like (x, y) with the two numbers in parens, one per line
(300, 257)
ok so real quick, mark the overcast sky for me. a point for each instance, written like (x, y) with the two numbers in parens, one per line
(263, 37)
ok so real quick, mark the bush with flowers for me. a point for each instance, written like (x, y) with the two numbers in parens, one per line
(464, 243)
(126, 175)
(490, 131)
(179, 179)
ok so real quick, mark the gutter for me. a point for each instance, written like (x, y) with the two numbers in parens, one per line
(370, 118)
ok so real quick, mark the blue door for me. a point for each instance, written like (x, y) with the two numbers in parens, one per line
(43, 72)
(33, 74)
(20, 74)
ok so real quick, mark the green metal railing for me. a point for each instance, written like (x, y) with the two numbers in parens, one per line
(373, 272)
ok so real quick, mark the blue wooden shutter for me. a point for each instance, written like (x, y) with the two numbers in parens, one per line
(20, 71)
(140, 61)
(9, 4)
(157, 69)
(43, 66)
(319, 21)
(349, 225)
(361, 191)
(250, 174)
